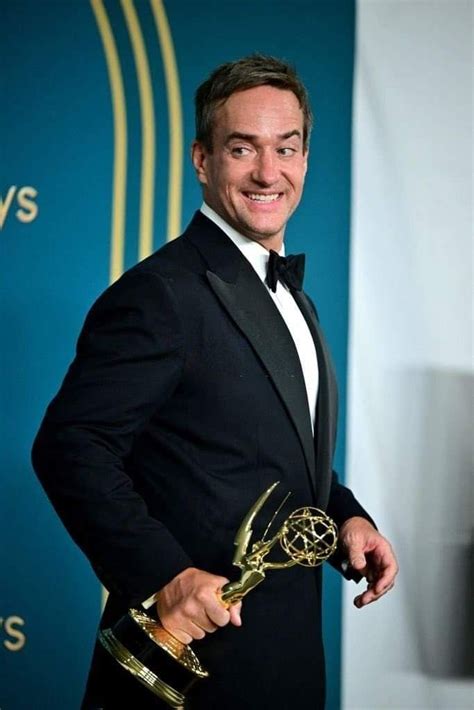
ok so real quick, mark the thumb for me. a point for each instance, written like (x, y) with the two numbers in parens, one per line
(234, 612)
(357, 558)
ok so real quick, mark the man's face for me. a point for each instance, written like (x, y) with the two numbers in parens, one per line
(254, 176)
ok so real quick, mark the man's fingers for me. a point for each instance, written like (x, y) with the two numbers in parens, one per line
(381, 577)
(385, 583)
(186, 628)
(233, 609)
(179, 633)
(207, 625)
(370, 595)
(217, 612)
(384, 568)
(234, 612)
(189, 606)
(181, 636)
(389, 572)
(370, 554)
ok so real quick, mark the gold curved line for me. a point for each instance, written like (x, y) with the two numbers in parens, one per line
(175, 176)
(117, 238)
(147, 112)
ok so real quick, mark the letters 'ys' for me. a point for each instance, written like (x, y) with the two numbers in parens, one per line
(21, 201)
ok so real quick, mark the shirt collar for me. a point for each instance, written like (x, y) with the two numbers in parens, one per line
(254, 252)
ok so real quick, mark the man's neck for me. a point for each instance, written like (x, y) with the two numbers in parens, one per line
(237, 236)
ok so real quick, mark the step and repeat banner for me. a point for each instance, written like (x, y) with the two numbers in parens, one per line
(96, 122)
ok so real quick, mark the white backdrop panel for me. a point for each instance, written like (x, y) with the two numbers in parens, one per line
(410, 403)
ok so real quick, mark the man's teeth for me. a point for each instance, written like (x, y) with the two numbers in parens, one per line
(263, 198)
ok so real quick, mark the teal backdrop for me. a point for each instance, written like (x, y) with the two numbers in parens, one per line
(57, 164)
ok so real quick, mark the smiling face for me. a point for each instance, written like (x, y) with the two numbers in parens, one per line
(254, 176)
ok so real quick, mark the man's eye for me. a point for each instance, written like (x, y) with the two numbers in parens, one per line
(286, 151)
(240, 150)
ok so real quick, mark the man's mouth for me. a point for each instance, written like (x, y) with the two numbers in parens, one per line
(263, 197)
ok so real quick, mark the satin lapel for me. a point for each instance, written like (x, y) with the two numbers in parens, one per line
(250, 306)
(326, 411)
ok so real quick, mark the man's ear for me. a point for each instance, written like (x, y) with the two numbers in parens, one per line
(199, 158)
(306, 156)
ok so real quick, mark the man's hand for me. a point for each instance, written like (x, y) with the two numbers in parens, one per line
(189, 605)
(370, 554)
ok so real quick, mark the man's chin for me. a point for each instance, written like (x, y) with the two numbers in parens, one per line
(261, 232)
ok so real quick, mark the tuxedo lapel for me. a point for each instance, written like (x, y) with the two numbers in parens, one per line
(248, 303)
(253, 311)
(326, 409)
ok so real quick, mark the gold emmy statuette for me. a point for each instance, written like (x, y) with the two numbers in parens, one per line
(168, 667)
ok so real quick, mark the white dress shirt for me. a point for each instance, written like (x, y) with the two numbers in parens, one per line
(257, 255)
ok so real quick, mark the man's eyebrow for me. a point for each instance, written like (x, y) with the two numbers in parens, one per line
(290, 134)
(236, 135)
(240, 136)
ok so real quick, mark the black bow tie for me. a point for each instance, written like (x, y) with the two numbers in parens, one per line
(288, 269)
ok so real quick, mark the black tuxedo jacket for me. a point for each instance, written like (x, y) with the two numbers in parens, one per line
(185, 401)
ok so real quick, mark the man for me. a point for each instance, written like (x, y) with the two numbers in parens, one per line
(200, 380)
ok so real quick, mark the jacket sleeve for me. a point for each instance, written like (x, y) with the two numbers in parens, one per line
(128, 362)
(343, 505)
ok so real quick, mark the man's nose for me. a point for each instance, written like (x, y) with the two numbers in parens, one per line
(265, 169)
